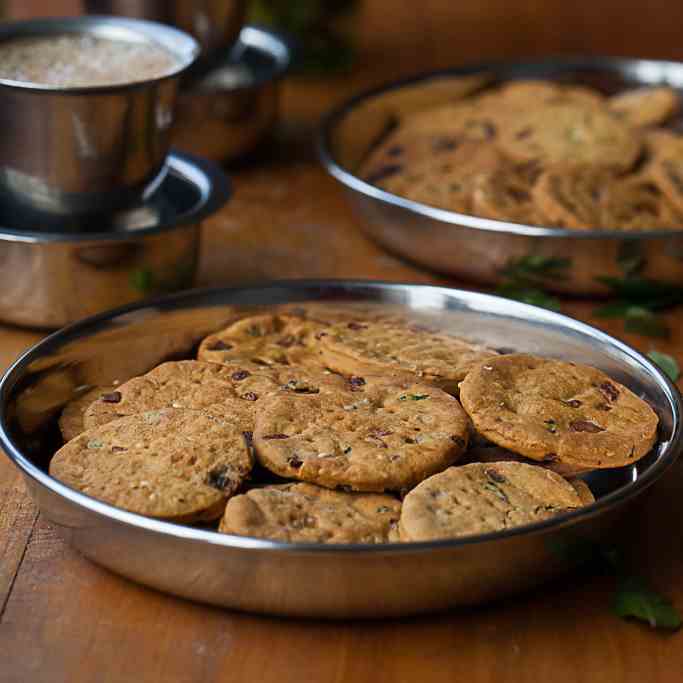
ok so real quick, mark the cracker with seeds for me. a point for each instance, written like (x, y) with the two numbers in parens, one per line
(561, 132)
(383, 435)
(408, 351)
(304, 513)
(71, 420)
(558, 412)
(506, 194)
(642, 107)
(265, 339)
(173, 464)
(231, 390)
(492, 453)
(484, 498)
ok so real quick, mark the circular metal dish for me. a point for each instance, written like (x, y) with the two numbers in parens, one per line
(481, 249)
(51, 277)
(313, 579)
(230, 110)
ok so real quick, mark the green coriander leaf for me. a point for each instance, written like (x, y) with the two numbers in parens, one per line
(635, 599)
(614, 309)
(653, 293)
(142, 280)
(642, 321)
(413, 397)
(666, 363)
(536, 267)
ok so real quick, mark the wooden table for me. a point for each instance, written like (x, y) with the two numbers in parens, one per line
(64, 619)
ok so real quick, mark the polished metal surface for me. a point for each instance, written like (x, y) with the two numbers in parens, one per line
(312, 579)
(227, 113)
(216, 24)
(88, 150)
(49, 279)
(480, 249)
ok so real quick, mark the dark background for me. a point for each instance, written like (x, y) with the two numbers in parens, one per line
(423, 34)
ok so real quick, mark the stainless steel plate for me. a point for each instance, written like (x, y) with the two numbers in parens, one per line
(312, 579)
(480, 249)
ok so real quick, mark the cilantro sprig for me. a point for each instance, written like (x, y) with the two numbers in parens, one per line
(524, 279)
(666, 363)
(634, 597)
(637, 299)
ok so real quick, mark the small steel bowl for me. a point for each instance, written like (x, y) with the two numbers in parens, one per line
(216, 24)
(67, 151)
(230, 110)
(308, 579)
(49, 278)
(480, 249)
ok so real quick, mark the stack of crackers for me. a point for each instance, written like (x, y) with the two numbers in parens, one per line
(332, 428)
(542, 153)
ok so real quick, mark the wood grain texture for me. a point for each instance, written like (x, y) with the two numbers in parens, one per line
(64, 619)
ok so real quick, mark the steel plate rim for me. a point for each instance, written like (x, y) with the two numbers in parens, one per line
(147, 524)
(460, 220)
(207, 177)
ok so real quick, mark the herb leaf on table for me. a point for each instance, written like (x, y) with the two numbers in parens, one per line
(636, 599)
(666, 362)
(523, 280)
(637, 299)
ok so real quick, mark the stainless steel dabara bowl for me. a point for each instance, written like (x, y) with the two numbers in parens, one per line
(216, 24)
(229, 111)
(480, 249)
(317, 580)
(65, 151)
(52, 278)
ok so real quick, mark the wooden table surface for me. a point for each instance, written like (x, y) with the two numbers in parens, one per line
(64, 619)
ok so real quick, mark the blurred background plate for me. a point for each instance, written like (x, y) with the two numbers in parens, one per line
(483, 250)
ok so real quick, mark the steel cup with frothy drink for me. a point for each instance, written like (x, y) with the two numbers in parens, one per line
(86, 110)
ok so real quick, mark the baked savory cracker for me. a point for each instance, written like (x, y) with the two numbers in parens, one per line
(447, 183)
(637, 203)
(71, 420)
(665, 166)
(408, 351)
(649, 106)
(174, 464)
(475, 119)
(483, 498)
(555, 411)
(570, 195)
(505, 194)
(265, 339)
(403, 150)
(492, 453)
(381, 435)
(572, 132)
(232, 390)
(304, 513)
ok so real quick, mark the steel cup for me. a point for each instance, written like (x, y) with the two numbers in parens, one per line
(69, 151)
